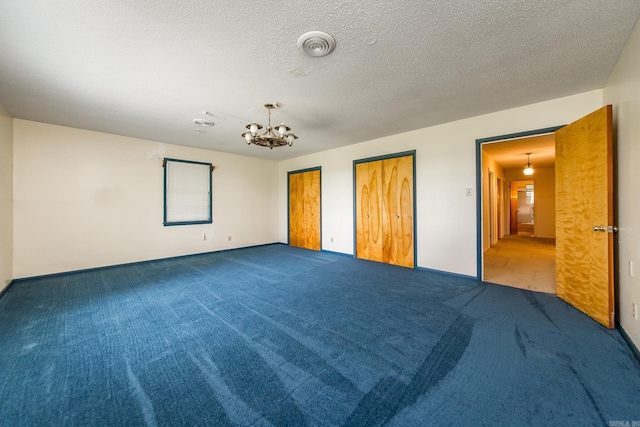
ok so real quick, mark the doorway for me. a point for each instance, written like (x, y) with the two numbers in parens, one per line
(583, 213)
(524, 207)
(517, 212)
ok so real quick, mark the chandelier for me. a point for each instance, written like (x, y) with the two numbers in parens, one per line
(272, 137)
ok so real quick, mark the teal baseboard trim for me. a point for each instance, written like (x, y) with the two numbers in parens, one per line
(337, 253)
(629, 342)
(105, 267)
(448, 273)
(6, 288)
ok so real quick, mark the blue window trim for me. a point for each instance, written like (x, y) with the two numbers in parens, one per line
(411, 153)
(164, 165)
(479, 195)
(317, 168)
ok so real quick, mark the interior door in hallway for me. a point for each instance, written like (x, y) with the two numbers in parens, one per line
(304, 209)
(384, 210)
(584, 215)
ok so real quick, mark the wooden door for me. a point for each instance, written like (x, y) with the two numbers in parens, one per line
(384, 211)
(584, 200)
(513, 209)
(304, 209)
(369, 210)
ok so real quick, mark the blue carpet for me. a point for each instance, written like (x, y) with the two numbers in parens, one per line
(276, 335)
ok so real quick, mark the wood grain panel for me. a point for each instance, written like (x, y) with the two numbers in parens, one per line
(295, 211)
(304, 209)
(362, 210)
(391, 213)
(584, 199)
(375, 210)
(406, 227)
(312, 209)
(384, 211)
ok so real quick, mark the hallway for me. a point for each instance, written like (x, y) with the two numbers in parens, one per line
(522, 262)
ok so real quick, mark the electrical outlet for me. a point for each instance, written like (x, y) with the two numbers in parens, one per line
(635, 312)
(469, 192)
(204, 236)
(332, 240)
(630, 268)
(229, 238)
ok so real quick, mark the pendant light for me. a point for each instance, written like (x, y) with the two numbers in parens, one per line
(528, 170)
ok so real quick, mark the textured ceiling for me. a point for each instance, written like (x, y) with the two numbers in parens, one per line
(148, 68)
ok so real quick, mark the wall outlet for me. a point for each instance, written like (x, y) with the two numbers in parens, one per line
(469, 192)
(635, 312)
(229, 238)
(630, 268)
(204, 236)
(332, 240)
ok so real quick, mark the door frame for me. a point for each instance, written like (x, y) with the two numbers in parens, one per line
(316, 168)
(479, 193)
(411, 153)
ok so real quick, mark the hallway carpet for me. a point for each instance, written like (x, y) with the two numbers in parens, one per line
(523, 262)
(276, 335)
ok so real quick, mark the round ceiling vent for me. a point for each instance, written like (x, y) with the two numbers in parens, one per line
(316, 43)
(203, 122)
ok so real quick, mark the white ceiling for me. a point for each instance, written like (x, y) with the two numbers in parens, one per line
(148, 68)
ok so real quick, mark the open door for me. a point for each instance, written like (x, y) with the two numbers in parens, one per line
(584, 215)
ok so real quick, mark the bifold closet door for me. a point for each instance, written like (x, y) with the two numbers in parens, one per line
(304, 209)
(369, 210)
(384, 211)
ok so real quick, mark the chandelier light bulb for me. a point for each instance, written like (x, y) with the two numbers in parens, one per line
(277, 136)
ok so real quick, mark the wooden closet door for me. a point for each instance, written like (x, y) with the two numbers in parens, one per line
(304, 209)
(404, 216)
(384, 211)
(369, 210)
(398, 211)
(311, 202)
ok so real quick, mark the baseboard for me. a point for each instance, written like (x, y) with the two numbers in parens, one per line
(6, 288)
(447, 273)
(337, 253)
(105, 267)
(629, 342)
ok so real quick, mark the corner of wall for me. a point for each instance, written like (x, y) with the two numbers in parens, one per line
(6, 198)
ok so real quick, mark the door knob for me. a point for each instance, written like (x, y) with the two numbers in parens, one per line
(611, 229)
(397, 216)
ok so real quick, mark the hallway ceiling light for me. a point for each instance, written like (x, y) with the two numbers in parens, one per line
(528, 170)
(269, 138)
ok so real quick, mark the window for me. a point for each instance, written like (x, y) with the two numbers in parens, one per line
(187, 192)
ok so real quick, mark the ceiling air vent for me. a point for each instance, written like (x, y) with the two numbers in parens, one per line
(316, 43)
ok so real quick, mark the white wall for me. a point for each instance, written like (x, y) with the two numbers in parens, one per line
(622, 90)
(6, 198)
(86, 199)
(445, 167)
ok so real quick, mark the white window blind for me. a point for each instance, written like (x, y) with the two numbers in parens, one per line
(187, 192)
